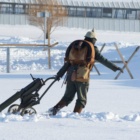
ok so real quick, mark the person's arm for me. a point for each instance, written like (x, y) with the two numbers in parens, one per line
(62, 71)
(100, 58)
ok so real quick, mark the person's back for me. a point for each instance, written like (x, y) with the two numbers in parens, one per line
(80, 54)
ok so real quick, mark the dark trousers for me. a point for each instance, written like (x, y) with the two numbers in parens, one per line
(81, 88)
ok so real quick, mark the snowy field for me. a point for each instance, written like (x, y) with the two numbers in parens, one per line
(113, 108)
(110, 0)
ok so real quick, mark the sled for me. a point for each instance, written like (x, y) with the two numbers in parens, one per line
(29, 97)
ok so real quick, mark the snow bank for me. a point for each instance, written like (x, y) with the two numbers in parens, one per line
(87, 116)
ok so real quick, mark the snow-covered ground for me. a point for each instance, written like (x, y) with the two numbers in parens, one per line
(113, 108)
(107, 0)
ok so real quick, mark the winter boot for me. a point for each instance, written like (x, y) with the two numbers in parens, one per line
(56, 108)
(77, 109)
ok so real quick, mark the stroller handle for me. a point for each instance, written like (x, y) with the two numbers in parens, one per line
(48, 86)
(49, 78)
(43, 80)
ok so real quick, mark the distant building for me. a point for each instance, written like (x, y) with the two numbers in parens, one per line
(120, 16)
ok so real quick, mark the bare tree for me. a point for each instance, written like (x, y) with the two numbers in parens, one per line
(57, 12)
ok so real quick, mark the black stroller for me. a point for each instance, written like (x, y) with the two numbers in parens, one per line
(29, 97)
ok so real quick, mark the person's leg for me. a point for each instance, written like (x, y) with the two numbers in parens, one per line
(82, 89)
(66, 99)
(69, 93)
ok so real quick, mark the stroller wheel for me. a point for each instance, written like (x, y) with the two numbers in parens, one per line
(14, 109)
(28, 110)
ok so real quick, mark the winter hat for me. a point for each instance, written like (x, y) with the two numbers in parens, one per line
(91, 34)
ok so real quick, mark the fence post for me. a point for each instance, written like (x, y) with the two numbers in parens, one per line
(8, 59)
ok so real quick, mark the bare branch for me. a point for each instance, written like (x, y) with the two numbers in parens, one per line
(56, 10)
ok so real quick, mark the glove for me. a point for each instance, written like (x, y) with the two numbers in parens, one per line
(57, 78)
(118, 68)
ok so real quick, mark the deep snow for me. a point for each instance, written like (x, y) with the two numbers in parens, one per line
(112, 111)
